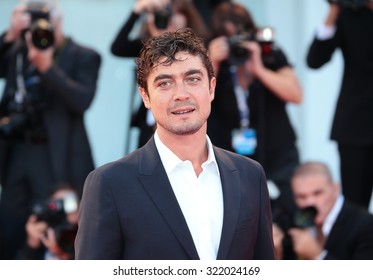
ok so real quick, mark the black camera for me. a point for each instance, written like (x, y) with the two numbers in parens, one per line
(54, 211)
(16, 119)
(301, 218)
(353, 4)
(9, 124)
(238, 54)
(162, 17)
(51, 211)
(305, 217)
(42, 31)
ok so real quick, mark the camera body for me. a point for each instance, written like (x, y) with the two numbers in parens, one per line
(42, 31)
(52, 212)
(239, 54)
(305, 217)
(162, 17)
(301, 218)
(14, 122)
(352, 4)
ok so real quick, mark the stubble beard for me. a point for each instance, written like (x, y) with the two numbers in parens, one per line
(183, 129)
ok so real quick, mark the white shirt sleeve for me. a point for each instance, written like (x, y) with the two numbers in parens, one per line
(325, 32)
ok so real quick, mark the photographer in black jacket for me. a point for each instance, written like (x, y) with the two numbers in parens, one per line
(348, 27)
(50, 82)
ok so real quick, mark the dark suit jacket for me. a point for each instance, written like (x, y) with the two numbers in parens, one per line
(351, 237)
(129, 211)
(353, 120)
(70, 85)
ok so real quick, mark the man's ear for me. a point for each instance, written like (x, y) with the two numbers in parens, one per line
(212, 88)
(145, 97)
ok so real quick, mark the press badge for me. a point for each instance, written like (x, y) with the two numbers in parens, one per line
(244, 141)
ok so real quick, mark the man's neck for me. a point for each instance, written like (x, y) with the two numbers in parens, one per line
(188, 147)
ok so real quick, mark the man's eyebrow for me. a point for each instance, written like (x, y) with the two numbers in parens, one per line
(193, 71)
(162, 76)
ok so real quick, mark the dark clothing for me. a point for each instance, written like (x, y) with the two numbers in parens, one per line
(351, 237)
(123, 46)
(356, 167)
(111, 219)
(28, 253)
(33, 164)
(276, 149)
(353, 120)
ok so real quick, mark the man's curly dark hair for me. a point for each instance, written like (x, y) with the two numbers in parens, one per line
(163, 50)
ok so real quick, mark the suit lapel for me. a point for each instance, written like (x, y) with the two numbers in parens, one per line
(231, 197)
(155, 181)
(335, 238)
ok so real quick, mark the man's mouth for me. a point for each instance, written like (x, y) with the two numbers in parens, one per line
(181, 112)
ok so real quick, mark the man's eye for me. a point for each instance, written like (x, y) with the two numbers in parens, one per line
(164, 84)
(193, 80)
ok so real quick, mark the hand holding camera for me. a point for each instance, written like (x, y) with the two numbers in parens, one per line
(20, 21)
(305, 243)
(54, 223)
(35, 231)
(307, 237)
(39, 233)
(33, 17)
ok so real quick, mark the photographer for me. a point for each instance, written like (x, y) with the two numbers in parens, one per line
(158, 17)
(50, 82)
(348, 27)
(51, 231)
(341, 230)
(254, 84)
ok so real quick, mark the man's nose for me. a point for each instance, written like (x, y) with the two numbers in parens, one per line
(182, 91)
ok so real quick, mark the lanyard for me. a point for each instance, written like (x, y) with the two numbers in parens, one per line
(242, 96)
(20, 94)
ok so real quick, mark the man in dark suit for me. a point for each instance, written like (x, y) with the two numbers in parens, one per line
(43, 138)
(342, 231)
(350, 30)
(177, 197)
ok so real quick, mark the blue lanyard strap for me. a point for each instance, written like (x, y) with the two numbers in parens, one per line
(242, 96)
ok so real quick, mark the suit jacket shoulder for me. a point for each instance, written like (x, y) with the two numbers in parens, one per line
(351, 236)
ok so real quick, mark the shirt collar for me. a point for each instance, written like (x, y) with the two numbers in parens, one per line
(170, 161)
(332, 216)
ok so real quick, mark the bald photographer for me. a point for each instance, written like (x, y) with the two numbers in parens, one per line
(335, 229)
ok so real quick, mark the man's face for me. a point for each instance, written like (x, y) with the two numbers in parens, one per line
(317, 191)
(180, 95)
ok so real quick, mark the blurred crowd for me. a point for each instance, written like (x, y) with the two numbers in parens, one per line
(51, 82)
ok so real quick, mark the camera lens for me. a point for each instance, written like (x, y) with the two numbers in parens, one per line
(42, 35)
(162, 17)
(305, 217)
(237, 53)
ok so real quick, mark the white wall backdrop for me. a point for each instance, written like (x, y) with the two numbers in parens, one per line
(96, 22)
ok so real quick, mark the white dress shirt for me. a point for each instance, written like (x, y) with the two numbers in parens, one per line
(200, 198)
